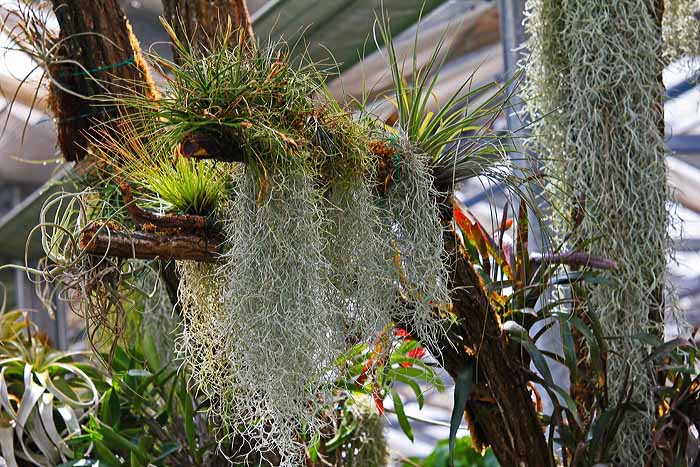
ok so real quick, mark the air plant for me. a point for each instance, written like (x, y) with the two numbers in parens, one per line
(433, 153)
(333, 227)
(139, 153)
(44, 395)
(588, 123)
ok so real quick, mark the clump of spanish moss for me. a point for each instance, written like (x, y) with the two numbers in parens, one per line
(681, 29)
(278, 297)
(593, 87)
(312, 259)
(367, 445)
(417, 239)
(202, 337)
(360, 255)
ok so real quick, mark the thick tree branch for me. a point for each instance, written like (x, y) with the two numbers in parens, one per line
(100, 240)
(99, 56)
(501, 412)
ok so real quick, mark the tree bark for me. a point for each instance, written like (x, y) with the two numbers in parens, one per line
(500, 411)
(100, 240)
(99, 56)
(199, 21)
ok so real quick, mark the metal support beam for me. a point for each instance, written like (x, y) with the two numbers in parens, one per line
(512, 14)
(513, 37)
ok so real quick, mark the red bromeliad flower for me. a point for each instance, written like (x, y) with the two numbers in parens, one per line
(417, 353)
(378, 401)
(403, 334)
(363, 376)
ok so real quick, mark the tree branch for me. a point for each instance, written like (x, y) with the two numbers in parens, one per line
(184, 222)
(503, 415)
(99, 239)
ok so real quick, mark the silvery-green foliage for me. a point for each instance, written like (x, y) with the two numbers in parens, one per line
(593, 89)
(284, 327)
(416, 234)
(681, 29)
(360, 254)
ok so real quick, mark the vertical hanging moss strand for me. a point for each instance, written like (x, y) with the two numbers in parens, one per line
(595, 93)
(681, 29)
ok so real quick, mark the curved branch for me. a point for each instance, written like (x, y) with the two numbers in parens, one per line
(185, 222)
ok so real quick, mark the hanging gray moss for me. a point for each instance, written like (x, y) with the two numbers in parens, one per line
(278, 299)
(362, 272)
(313, 257)
(367, 446)
(417, 238)
(681, 29)
(593, 89)
(307, 274)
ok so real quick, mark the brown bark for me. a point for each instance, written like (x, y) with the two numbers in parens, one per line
(182, 222)
(99, 56)
(199, 21)
(500, 412)
(202, 146)
(100, 240)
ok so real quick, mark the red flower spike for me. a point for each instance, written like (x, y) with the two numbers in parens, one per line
(417, 354)
(378, 401)
(363, 376)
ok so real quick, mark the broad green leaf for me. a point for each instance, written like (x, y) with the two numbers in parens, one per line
(401, 414)
(463, 388)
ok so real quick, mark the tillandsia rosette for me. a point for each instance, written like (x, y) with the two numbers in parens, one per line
(45, 394)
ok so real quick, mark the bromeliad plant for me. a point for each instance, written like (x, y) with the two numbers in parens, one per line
(369, 375)
(537, 295)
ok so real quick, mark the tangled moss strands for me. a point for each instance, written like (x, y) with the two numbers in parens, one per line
(593, 87)
(681, 30)
(367, 445)
(279, 298)
(417, 232)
